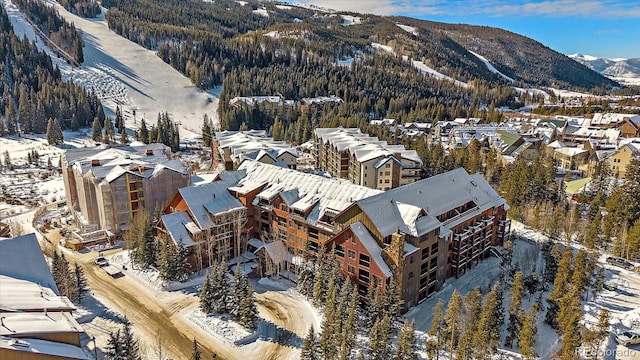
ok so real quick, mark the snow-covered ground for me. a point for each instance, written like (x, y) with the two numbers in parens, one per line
(348, 20)
(386, 48)
(490, 66)
(126, 74)
(407, 28)
(426, 70)
(262, 12)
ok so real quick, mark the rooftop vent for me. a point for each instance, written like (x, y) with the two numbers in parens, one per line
(95, 162)
(149, 152)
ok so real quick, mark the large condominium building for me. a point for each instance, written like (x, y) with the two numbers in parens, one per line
(106, 186)
(365, 160)
(418, 234)
(237, 146)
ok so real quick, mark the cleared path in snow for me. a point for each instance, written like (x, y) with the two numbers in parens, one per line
(152, 85)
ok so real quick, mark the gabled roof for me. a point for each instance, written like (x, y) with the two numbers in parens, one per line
(26, 324)
(361, 232)
(317, 194)
(21, 258)
(390, 211)
(206, 200)
(175, 224)
(18, 294)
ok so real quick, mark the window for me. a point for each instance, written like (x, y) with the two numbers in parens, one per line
(351, 269)
(410, 274)
(387, 173)
(134, 196)
(352, 254)
(134, 205)
(380, 181)
(353, 240)
(412, 259)
(363, 275)
(339, 250)
(388, 166)
(364, 260)
(386, 181)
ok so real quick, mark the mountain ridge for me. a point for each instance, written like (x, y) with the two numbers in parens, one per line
(620, 69)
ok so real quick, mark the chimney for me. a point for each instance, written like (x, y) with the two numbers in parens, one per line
(149, 152)
(95, 162)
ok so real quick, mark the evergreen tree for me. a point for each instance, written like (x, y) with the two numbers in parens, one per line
(206, 131)
(24, 111)
(328, 341)
(221, 289)
(54, 132)
(350, 326)
(113, 350)
(310, 347)
(236, 295)
(406, 342)
(379, 340)
(491, 320)
(437, 329)
(453, 319)
(560, 287)
(143, 132)
(318, 286)
(11, 117)
(128, 343)
(248, 309)
(375, 306)
(123, 136)
(206, 300)
(527, 336)
(472, 311)
(515, 312)
(391, 299)
(196, 355)
(80, 285)
(96, 129)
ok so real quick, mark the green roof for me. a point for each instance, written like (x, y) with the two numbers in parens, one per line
(507, 137)
(572, 187)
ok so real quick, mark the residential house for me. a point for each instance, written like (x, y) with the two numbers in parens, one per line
(621, 159)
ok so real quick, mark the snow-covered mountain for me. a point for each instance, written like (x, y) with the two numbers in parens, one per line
(622, 70)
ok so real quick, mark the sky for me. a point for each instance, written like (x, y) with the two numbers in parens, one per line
(603, 28)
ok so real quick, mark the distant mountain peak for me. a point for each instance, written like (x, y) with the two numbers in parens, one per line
(619, 69)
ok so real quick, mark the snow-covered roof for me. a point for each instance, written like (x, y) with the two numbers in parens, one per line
(209, 199)
(19, 294)
(43, 347)
(396, 209)
(30, 323)
(176, 226)
(613, 118)
(278, 252)
(253, 144)
(363, 146)
(325, 195)
(361, 232)
(21, 258)
(109, 163)
(570, 151)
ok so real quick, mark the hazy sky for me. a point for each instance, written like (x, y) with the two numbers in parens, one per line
(605, 28)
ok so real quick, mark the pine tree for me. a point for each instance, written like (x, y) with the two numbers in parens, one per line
(391, 299)
(350, 326)
(221, 289)
(406, 342)
(318, 286)
(527, 336)
(11, 117)
(196, 355)
(375, 307)
(560, 287)
(206, 301)
(330, 323)
(310, 347)
(491, 320)
(453, 319)
(236, 295)
(54, 132)
(437, 329)
(80, 284)
(143, 132)
(379, 340)
(96, 129)
(472, 311)
(128, 343)
(515, 312)
(113, 350)
(206, 131)
(123, 136)
(248, 309)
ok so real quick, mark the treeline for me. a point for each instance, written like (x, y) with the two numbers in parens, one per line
(70, 280)
(84, 8)
(164, 132)
(54, 27)
(378, 87)
(33, 91)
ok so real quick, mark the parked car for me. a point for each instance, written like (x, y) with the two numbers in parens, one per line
(101, 261)
(628, 338)
(620, 262)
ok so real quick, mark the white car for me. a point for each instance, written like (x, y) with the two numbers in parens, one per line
(628, 338)
(101, 261)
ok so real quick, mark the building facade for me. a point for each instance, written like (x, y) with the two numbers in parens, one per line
(365, 160)
(418, 234)
(238, 146)
(107, 186)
